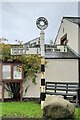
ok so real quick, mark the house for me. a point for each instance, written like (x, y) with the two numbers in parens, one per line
(33, 43)
(69, 32)
(65, 64)
(63, 57)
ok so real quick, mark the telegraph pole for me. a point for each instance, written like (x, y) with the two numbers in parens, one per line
(42, 24)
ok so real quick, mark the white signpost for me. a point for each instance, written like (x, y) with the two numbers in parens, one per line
(24, 51)
(42, 24)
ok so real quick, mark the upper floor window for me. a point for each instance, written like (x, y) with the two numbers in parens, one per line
(63, 39)
(6, 72)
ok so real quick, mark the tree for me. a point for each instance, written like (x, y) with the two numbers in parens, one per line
(31, 67)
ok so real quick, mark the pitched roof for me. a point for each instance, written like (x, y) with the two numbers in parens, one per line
(75, 20)
(38, 38)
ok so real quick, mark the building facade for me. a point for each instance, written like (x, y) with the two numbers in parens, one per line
(62, 57)
(69, 32)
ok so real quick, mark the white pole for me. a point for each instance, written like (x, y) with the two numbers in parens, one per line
(42, 43)
(42, 24)
(42, 91)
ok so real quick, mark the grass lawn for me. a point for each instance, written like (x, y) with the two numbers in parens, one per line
(26, 109)
(0, 109)
(77, 114)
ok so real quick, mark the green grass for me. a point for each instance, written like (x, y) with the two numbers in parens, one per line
(24, 109)
(77, 114)
(0, 109)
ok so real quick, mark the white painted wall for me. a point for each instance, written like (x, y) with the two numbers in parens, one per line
(72, 33)
(5, 93)
(79, 40)
(65, 70)
(62, 70)
(33, 89)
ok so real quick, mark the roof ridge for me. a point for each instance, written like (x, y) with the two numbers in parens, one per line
(74, 17)
(72, 51)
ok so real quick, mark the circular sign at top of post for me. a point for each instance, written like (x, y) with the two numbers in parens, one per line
(42, 23)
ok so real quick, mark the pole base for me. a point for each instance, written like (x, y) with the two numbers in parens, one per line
(42, 102)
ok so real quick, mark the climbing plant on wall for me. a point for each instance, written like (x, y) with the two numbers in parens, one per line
(31, 65)
(31, 62)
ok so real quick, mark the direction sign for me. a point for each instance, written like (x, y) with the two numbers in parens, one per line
(24, 51)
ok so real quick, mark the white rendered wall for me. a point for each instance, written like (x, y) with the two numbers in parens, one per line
(65, 70)
(79, 40)
(62, 70)
(72, 34)
(33, 89)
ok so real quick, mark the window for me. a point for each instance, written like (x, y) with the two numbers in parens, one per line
(12, 71)
(6, 72)
(17, 72)
(63, 39)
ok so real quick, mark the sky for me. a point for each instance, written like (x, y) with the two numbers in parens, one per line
(18, 19)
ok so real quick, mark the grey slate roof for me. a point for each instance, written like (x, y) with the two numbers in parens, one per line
(75, 20)
(68, 54)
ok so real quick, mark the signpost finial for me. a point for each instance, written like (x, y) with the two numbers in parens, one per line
(42, 23)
